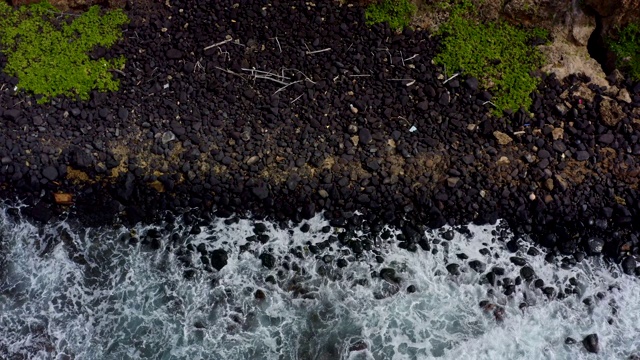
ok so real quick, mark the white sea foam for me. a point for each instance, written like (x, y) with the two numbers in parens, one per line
(129, 302)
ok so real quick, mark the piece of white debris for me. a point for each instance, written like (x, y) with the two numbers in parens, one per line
(166, 86)
(413, 128)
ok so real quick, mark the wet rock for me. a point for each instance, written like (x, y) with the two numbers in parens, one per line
(259, 228)
(389, 275)
(259, 295)
(478, 266)
(499, 313)
(448, 235)
(453, 269)
(594, 246)
(39, 212)
(411, 289)
(570, 341)
(218, 259)
(358, 346)
(342, 263)
(629, 265)
(268, 260)
(512, 245)
(549, 291)
(527, 273)
(518, 260)
(491, 278)
(591, 343)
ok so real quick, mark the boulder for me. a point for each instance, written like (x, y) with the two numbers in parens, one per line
(453, 269)
(50, 172)
(595, 246)
(389, 275)
(268, 260)
(527, 273)
(590, 342)
(218, 259)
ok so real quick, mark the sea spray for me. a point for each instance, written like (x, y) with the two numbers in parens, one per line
(107, 294)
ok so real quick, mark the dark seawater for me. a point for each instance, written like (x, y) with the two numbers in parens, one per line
(70, 293)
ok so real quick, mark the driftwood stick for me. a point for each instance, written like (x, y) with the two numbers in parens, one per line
(229, 72)
(300, 72)
(286, 86)
(278, 42)
(413, 57)
(217, 44)
(119, 72)
(451, 78)
(296, 99)
(318, 51)
(266, 73)
(270, 78)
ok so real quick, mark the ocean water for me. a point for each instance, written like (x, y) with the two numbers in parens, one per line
(78, 293)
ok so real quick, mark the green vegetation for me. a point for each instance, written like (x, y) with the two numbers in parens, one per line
(627, 49)
(48, 51)
(498, 54)
(397, 13)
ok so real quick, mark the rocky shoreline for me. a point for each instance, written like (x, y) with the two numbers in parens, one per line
(291, 108)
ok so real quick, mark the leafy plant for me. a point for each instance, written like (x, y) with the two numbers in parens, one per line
(397, 13)
(48, 51)
(627, 49)
(499, 54)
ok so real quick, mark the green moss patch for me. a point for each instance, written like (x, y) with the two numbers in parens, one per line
(627, 50)
(48, 51)
(397, 13)
(498, 54)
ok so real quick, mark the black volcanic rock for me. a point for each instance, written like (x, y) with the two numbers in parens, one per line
(591, 343)
(218, 259)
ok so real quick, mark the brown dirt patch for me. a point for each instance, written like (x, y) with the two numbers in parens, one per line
(576, 171)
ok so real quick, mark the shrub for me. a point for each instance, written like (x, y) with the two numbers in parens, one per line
(48, 51)
(496, 53)
(397, 13)
(627, 49)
